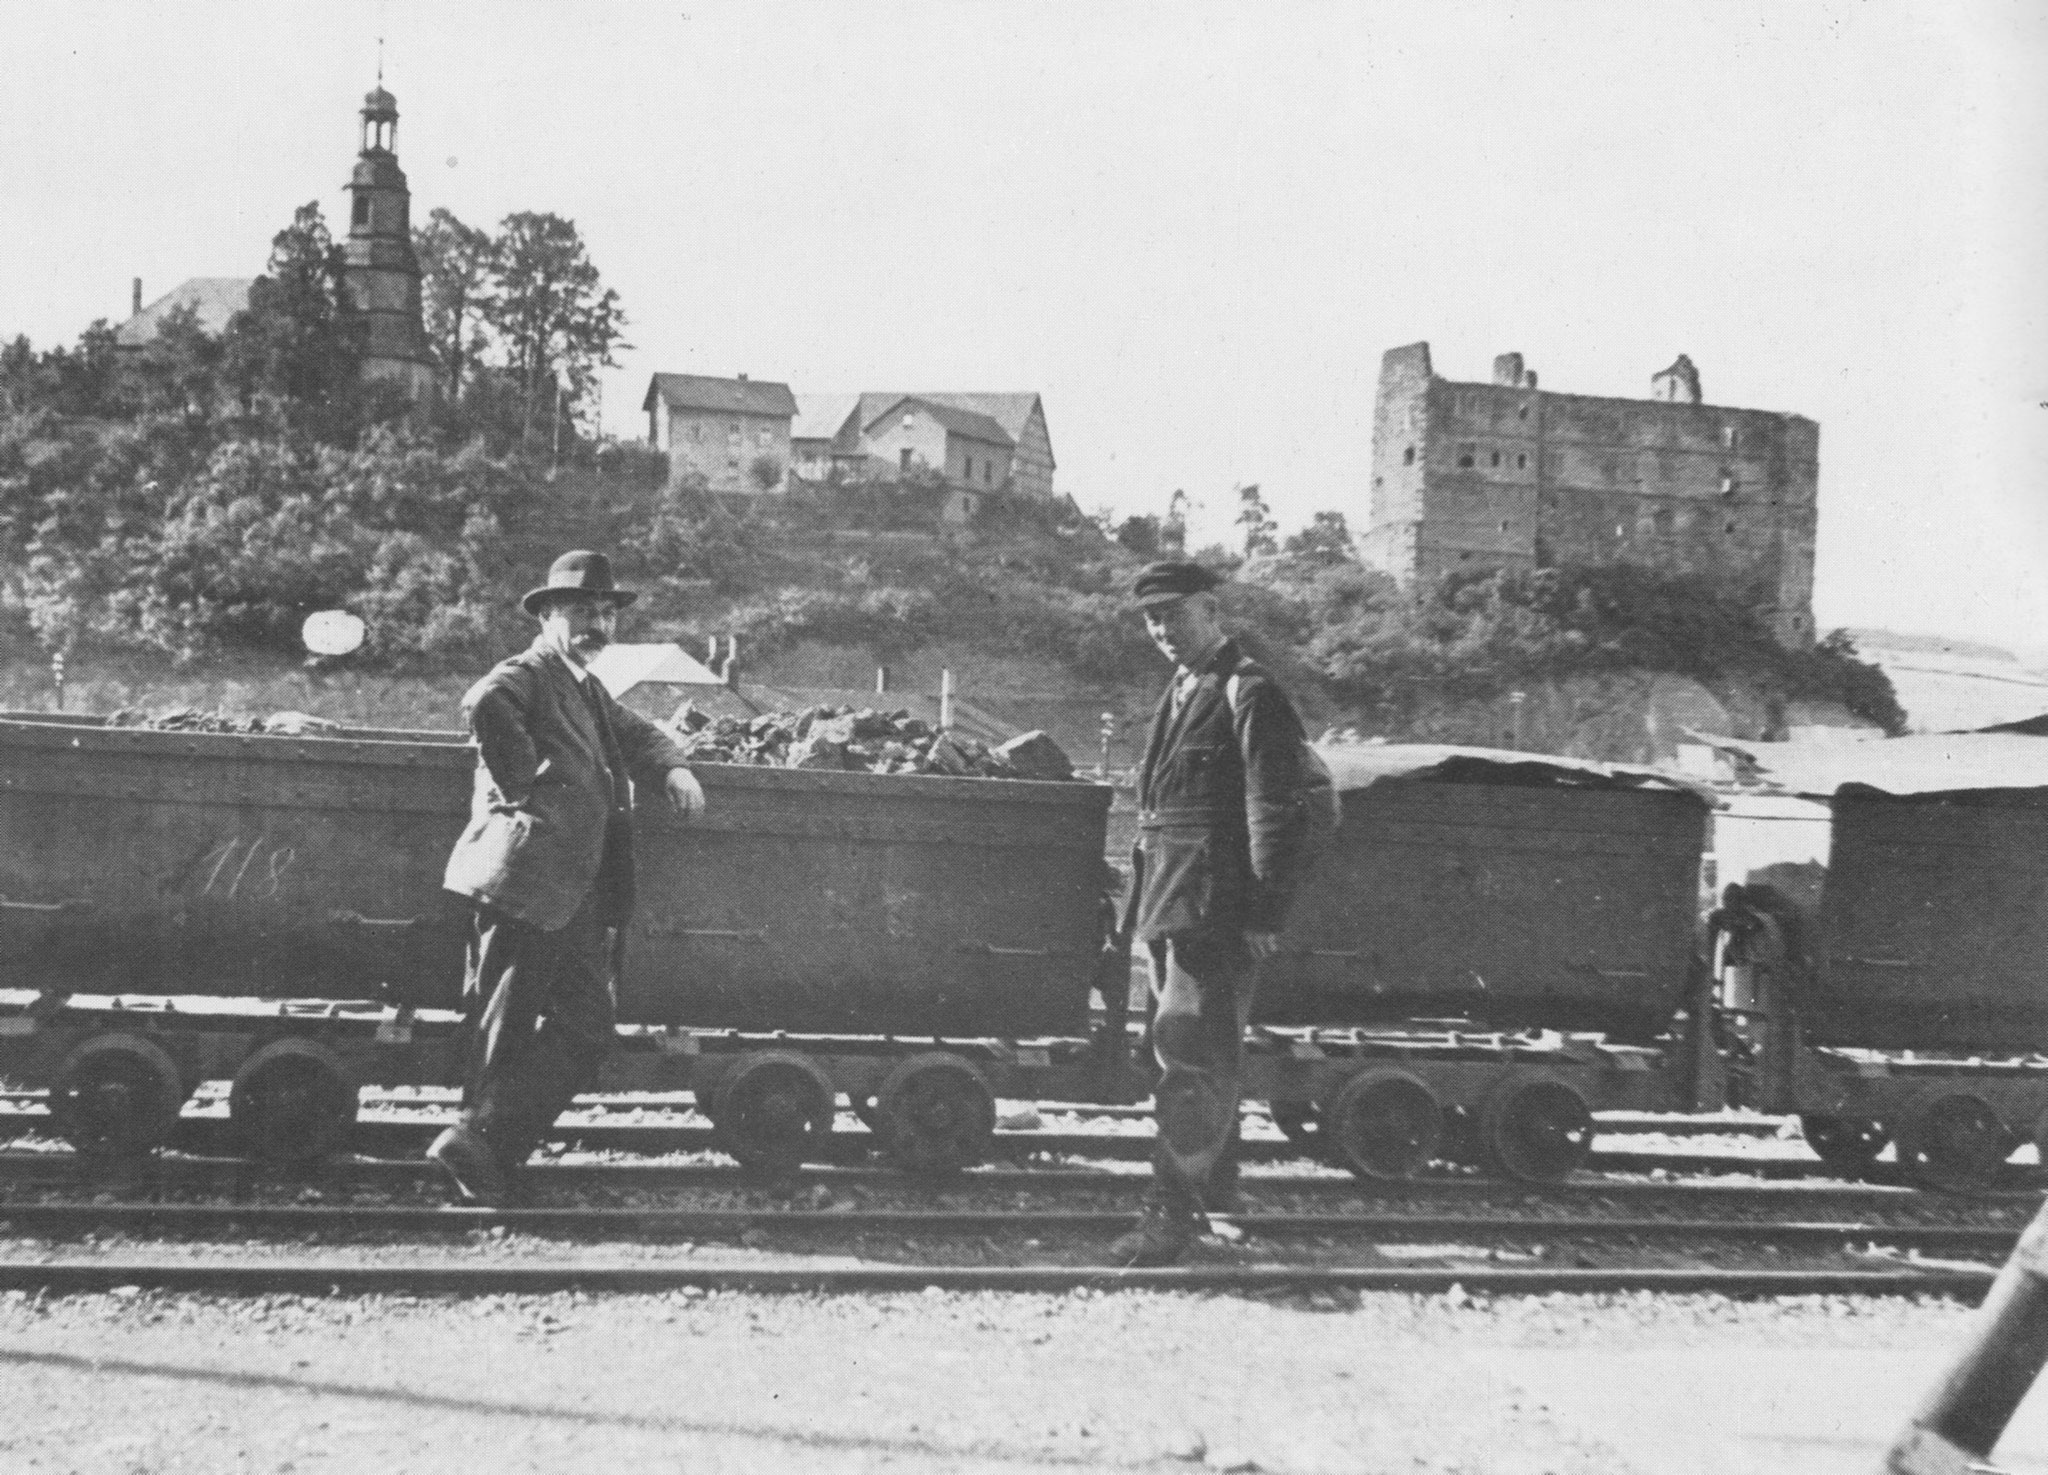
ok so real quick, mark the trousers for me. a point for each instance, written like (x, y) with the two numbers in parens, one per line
(538, 1016)
(1202, 990)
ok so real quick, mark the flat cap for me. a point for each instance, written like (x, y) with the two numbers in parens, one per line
(1171, 579)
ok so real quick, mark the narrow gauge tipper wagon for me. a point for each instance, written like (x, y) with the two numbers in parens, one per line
(1913, 1008)
(181, 906)
(1497, 946)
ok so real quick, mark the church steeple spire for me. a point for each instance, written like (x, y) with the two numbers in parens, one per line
(382, 273)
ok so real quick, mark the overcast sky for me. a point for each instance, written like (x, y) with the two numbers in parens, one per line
(1193, 228)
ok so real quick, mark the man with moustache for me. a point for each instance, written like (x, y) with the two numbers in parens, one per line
(1226, 799)
(547, 864)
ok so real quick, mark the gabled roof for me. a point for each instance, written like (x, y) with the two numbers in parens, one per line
(822, 416)
(623, 667)
(1011, 411)
(737, 396)
(960, 422)
(213, 299)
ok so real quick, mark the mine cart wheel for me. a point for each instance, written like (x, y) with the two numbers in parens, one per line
(774, 1111)
(1384, 1124)
(1300, 1123)
(1536, 1128)
(291, 1102)
(1845, 1143)
(1953, 1141)
(116, 1096)
(938, 1115)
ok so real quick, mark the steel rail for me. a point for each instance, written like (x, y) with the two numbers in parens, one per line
(313, 1278)
(215, 1137)
(644, 1224)
(1616, 1124)
(241, 1175)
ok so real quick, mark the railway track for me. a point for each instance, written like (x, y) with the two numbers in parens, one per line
(315, 1278)
(239, 1176)
(839, 1225)
(214, 1136)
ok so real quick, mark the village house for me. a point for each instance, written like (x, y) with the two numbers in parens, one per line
(983, 444)
(735, 433)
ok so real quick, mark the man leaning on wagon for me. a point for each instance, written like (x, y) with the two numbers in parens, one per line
(547, 863)
(1224, 797)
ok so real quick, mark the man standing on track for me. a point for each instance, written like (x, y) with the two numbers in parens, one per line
(547, 861)
(1223, 816)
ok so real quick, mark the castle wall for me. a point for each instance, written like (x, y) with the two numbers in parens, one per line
(1505, 475)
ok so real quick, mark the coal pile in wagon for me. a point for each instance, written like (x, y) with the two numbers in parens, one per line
(862, 740)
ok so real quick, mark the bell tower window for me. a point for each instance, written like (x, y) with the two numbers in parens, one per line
(360, 215)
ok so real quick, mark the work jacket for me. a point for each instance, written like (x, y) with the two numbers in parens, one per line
(552, 808)
(1221, 811)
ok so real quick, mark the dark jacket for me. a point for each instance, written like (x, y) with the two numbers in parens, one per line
(537, 836)
(1221, 819)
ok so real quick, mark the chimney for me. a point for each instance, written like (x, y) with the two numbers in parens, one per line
(743, 378)
(729, 673)
(136, 310)
(881, 679)
(711, 654)
(1507, 369)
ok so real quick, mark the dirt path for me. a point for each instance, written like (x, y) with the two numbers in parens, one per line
(148, 1385)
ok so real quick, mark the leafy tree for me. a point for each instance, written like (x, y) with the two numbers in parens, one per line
(1257, 522)
(556, 321)
(1326, 539)
(299, 343)
(1140, 535)
(179, 370)
(455, 280)
(766, 472)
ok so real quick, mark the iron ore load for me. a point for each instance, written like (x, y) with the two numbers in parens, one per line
(1494, 948)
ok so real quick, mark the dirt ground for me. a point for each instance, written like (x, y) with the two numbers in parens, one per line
(143, 1384)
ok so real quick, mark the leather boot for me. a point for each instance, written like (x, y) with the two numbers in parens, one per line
(1161, 1236)
(463, 1154)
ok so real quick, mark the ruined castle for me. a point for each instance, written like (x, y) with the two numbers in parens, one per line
(1474, 476)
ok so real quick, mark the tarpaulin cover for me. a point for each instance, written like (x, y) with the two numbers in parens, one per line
(1510, 890)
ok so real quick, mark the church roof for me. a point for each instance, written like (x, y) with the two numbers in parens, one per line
(702, 392)
(213, 299)
(380, 102)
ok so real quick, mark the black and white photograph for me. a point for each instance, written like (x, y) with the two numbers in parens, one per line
(1002, 735)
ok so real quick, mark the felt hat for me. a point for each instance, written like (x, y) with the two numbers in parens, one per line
(1171, 579)
(582, 573)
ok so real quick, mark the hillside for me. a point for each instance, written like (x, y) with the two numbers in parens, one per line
(175, 563)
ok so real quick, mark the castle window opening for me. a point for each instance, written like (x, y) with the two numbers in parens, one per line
(1728, 436)
(1408, 456)
(1522, 413)
(1727, 482)
(1728, 527)
(1522, 463)
(361, 215)
(1467, 455)
(988, 473)
(1496, 458)
(903, 458)
(1503, 527)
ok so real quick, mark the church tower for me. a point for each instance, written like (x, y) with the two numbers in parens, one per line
(383, 274)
